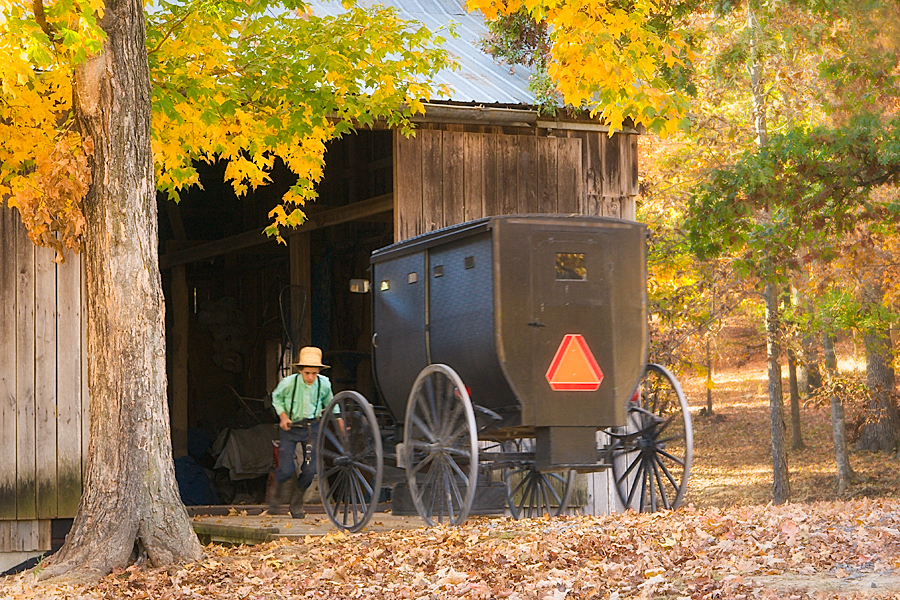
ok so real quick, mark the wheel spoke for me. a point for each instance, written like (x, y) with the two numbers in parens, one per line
(421, 426)
(423, 463)
(671, 457)
(331, 437)
(660, 485)
(668, 474)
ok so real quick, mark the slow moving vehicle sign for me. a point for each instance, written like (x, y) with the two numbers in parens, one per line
(574, 367)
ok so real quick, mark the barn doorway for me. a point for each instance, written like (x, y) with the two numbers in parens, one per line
(239, 306)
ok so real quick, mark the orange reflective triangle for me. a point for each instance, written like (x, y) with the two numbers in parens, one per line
(574, 367)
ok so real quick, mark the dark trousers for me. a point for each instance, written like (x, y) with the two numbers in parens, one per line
(286, 448)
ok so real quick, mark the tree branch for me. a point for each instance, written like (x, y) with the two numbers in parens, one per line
(41, 17)
(168, 34)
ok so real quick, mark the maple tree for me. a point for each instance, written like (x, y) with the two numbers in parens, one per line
(619, 60)
(101, 103)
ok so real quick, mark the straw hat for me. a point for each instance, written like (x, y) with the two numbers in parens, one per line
(310, 356)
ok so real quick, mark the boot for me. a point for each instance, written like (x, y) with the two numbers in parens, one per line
(297, 504)
(279, 495)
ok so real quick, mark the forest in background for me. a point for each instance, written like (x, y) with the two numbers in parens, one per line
(769, 171)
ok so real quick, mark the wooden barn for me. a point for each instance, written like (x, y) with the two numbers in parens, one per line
(240, 304)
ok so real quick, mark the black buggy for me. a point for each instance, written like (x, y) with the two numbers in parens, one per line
(511, 349)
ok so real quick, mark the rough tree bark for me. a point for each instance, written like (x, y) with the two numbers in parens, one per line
(809, 377)
(881, 431)
(845, 474)
(130, 509)
(781, 484)
(793, 384)
(796, 429)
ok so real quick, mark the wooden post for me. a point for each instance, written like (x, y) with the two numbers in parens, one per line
(178, 348)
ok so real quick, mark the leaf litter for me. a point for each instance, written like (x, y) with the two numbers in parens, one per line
(825, 550)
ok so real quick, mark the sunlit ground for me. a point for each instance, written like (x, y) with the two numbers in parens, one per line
(732, 447)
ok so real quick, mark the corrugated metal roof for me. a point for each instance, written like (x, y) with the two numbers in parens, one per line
(479, 78)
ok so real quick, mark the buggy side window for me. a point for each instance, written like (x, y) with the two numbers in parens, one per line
(570, 266)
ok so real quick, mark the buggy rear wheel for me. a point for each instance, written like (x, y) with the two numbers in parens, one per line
(533, 494)
(651, 456)
(349, 461)
(440, 446)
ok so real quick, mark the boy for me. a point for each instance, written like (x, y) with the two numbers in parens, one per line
(299, 401)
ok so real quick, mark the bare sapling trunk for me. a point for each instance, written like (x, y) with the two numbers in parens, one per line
(809, 377)
(780, 478)
(845, 474)
(796, 430)
(793, 385)
(130, 509)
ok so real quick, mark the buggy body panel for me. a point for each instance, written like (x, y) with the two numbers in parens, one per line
(494, 298)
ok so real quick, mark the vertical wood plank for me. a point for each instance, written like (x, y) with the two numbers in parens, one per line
(612, 166)
(432, 179)
(6, 535)
(528, 182)
(492, 176)
(8, 261)
(408, 219)
(453, 152)
(474, 176)
(508, 190)
(69, 385)
(45, 415)
(593, 144)
(630, 185)
(44, 535)
(569, 175)
(178, 350)
(26, 499)
(547, 175)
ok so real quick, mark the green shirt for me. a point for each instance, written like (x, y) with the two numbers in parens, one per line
(301, 401)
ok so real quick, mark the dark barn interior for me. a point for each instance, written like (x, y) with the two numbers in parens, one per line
(246, 316)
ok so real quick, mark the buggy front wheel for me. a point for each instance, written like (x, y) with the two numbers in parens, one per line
(440, 446)
(349, 461)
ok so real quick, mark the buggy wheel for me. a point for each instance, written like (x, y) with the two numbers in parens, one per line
(651, 456)
(440, 446)
(532, 494)
(349, 461)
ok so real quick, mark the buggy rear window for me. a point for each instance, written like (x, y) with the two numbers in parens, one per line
(570, 266)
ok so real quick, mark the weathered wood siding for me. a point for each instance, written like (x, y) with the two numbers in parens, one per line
(43, 398)
(446, 177)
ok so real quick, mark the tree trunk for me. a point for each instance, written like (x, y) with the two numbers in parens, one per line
(130, 508)
(780, 479)
(797, 444)
(881, 431)
(809, 377)
(796, 433)
(845, 474)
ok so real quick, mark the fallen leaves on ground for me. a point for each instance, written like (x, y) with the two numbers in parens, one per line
(821, 550)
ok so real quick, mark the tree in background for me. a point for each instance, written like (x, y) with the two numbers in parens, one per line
(621, 60)
(100, 105)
